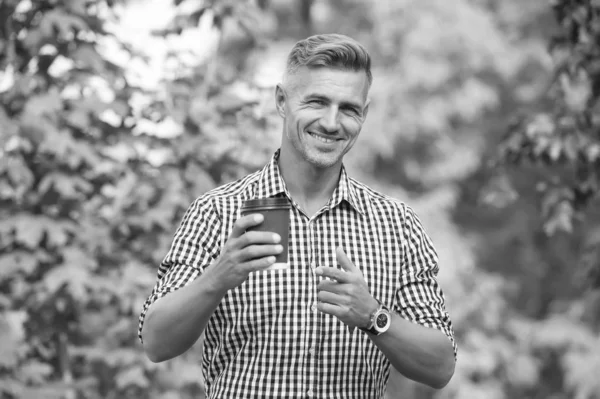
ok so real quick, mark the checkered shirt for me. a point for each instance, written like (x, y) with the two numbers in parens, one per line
(266, 339)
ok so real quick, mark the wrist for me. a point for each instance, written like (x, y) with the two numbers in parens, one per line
(380, 320)
(372, 308)
(211, 283)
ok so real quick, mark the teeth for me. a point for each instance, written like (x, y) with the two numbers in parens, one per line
(320, 138)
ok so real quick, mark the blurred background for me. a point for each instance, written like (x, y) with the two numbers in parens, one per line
(116, 114)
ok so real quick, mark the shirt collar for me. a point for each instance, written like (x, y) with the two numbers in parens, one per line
(271, 184)
(346, 191)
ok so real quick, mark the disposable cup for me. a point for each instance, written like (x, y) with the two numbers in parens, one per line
(276, 213)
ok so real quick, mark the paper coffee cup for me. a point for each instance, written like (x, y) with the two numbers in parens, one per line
(276, 213)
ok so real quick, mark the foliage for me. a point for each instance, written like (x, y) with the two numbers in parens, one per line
(90, 196)
(454, 74)
(97, 166)
(562, 140)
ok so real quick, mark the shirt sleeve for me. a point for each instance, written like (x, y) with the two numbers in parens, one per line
(195, 246)
(419, 297)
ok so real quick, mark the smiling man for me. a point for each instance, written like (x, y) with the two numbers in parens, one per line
(360, 294)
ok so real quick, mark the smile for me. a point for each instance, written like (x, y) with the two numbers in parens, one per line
(321, 138)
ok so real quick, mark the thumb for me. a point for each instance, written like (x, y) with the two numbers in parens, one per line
(344, 261)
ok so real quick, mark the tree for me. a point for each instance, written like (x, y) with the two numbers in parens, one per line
(90, 196)
(561, 141)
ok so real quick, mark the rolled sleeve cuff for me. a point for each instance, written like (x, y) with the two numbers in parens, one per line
(177, 277)
(441, 323)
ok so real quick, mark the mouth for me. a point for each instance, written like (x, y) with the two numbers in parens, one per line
(322, 139)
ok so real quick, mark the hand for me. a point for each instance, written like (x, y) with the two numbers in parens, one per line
(244, 252)
(348, 297)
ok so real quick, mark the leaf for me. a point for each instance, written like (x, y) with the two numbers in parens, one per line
(540, 146)
(132, 376)
(581, 372)
(85, 152)
(554, 150)
(87, 57)
(29, 231)
(74, 272)
(34, 372)
(560, 218)
(524, 370)
(57, 143)
(76, 278)
(498, 192)
(79, 118)
(76, 257)
(58, 232)
(12, 335)
(560, 332)
(20, 175)
(69, 187)
(540, 125)
(47, 104)
(592, 152)
(67, 24)
(570, 145)
(76, 6)
(17, 262)
(122, 357)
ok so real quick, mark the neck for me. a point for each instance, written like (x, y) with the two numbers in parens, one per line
(311, 187)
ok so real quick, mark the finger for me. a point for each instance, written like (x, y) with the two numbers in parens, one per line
(330, 286)
(242, 224)
(330, 308)
(332, 272)
(344, 261)
(330, 297)
(256, 238)
(258, 264)
(259, 251)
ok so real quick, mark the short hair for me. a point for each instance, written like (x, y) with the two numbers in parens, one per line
(329, 50)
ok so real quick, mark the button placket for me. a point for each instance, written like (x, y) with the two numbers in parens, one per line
(313, 316)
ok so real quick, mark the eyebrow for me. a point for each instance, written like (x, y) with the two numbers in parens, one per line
(322, 97)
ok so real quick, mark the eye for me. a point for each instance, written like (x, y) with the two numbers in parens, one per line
(351, 111)
(316, 102)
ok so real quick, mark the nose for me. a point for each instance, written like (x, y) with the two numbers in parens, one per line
(330, 121)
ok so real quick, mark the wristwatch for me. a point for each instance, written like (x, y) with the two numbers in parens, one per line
(380, 321)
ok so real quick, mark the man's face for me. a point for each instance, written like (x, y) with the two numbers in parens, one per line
(323, 111)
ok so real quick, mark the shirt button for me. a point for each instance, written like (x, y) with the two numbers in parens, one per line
(313, 265)
(311, 351)
(310, 393)
(313, 307)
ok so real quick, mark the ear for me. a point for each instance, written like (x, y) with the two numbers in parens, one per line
(366, 109)
(280, 100)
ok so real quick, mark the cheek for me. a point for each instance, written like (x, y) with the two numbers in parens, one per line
(352, 126)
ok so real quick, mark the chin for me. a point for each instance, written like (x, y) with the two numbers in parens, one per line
(322, 162)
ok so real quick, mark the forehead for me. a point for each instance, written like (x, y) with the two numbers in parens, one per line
(335, 84)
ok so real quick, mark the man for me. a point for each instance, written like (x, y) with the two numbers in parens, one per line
(360, 293)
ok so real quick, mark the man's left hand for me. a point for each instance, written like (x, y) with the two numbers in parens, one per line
(346, 296)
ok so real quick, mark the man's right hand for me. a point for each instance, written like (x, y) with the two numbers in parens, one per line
(244, 252)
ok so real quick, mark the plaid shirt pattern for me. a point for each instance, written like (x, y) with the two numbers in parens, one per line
(266, 339)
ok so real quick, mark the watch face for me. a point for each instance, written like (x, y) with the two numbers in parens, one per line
(382, 320)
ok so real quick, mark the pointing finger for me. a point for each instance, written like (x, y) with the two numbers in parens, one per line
(344, 261)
